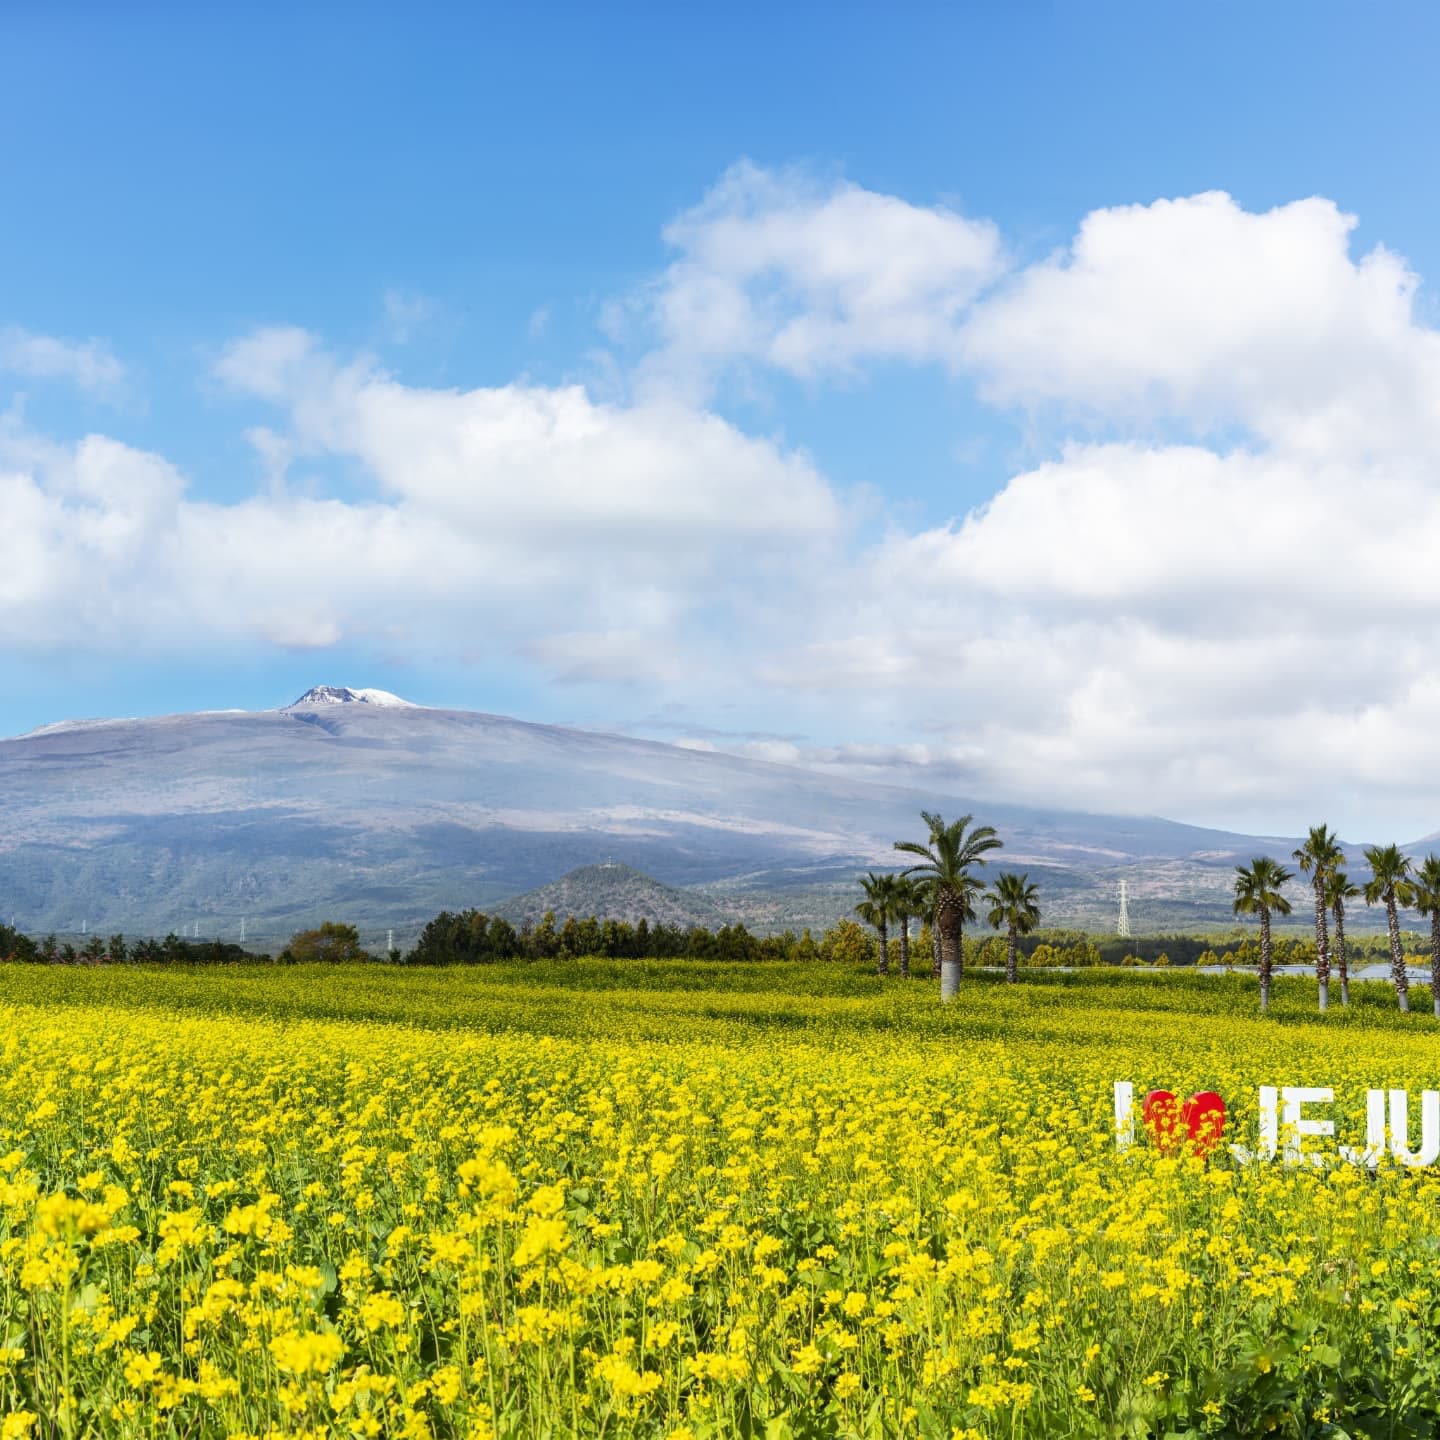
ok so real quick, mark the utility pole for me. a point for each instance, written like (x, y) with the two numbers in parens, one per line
(1122, 929)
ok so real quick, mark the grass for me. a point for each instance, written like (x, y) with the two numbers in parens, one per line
(682, 1199)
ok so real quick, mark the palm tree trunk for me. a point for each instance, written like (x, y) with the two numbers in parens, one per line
(1264, 959)
(1435, 960)
(904, 947)
(1398, 972)
(951, 925)
(1340, 953)
(935, 947)
(1012, 966)
(884, 949)
(1322, 943)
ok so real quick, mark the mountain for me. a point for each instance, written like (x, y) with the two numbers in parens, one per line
(347, 806)
(343, 695)
(618, 892)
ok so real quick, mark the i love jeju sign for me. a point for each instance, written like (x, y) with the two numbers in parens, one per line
(1291, 1114)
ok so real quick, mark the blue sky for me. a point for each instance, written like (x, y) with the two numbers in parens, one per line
(453, 203)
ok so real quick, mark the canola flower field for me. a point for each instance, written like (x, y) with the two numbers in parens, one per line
(684, 1200)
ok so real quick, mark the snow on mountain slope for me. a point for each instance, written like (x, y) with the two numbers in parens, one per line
(344, 695)
(342, 806)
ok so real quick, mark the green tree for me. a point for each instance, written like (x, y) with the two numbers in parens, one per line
(946, 862)
(877, 908)
(328, 941)
(1391, 882)
(911, 899)
(845, 944)
(1427, 902)
(1317, 857)
(1015, 907)
(15, 946)
(1257, 892)
(929, 931)
(1338, 889)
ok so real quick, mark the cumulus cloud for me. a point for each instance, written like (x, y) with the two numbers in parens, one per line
(1199, 311)
(1237, 627)
(783, 270)
(659, 488)
(1234, 637)
(506, 514)
(88, 364)
(1215, 598)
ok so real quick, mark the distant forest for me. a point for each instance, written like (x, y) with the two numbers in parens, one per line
(471, 937)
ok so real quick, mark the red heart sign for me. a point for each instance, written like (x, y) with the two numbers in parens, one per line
(1161, 1114)
(1204, 1120)
(1200, 1121)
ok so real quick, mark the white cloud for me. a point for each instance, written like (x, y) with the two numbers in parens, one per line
(654, 489)
(1237, 637)
(598, 540)
(1235, 630)
(88, 364)
(782, 270)
(1235, 625)
(606, 656)
(1197, 310)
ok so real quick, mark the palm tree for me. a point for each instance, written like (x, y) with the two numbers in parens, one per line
(1320, 854)
(876, 909)
(1257, 892)
(946, 862)
(1014, 903)
(910, 900)
(1390, 881)
(1427, 902)
(1339, 889)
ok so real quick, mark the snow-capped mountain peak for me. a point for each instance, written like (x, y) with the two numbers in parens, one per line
(344, 695)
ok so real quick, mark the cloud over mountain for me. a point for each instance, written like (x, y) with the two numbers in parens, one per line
(1208, 593)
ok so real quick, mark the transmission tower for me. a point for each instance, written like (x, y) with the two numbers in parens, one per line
(1122, 928)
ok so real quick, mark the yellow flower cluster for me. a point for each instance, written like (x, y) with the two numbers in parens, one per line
(575, 1220)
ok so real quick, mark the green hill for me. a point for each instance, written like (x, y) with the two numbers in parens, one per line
(613, 892)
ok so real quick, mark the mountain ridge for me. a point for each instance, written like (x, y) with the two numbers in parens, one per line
(389, 813)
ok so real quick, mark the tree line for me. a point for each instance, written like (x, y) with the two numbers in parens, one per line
(944, 888)
(464, 937)
(1396, 881)
(845, 942)
(117, 950)
(470, 937)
